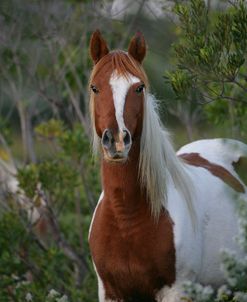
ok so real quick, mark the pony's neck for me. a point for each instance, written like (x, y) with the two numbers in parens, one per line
(121, 182)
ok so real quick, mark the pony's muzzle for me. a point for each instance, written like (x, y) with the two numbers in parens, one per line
(116, 147)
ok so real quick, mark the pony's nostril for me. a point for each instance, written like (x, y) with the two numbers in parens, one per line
(126, 137)
(107, 138)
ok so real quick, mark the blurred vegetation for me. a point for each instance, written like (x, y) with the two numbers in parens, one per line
(211, 63)
(49, 180)
(38, 257)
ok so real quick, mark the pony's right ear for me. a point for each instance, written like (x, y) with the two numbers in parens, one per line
(98, 47)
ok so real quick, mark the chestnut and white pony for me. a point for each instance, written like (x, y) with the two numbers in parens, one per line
(162, 217)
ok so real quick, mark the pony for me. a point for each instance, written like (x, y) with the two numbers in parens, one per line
(162, 217)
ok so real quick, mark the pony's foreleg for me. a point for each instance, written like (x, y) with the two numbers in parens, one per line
(101, 291)
(170, 294)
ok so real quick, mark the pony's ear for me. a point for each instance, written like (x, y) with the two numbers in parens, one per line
(137, 47)
(98, 47)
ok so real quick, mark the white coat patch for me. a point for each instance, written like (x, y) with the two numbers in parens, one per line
(120, 86)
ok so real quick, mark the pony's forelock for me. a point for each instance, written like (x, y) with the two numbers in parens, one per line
(121, 63)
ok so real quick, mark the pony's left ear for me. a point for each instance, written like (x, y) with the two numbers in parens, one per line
(98, 47)
(137, 47)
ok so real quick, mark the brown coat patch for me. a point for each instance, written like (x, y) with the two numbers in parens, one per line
(195, 159)
(133, 254)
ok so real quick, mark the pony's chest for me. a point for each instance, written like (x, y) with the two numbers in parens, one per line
(134, 261)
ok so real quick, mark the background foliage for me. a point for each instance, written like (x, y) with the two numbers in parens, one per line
(49, 181)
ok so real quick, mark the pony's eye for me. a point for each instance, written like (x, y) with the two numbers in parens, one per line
(94, 89)
(140, 88)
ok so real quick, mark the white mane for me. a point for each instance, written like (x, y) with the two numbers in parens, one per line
(158, 162)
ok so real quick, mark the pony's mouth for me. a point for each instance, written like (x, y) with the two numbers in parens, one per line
(116, 158)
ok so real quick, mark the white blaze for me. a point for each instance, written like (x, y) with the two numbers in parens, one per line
(120, 86)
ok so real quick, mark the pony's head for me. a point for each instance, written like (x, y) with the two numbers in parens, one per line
(118, 85)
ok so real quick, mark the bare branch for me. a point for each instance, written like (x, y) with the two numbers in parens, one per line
(58, 238)
(76, 106)
(240, 85)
